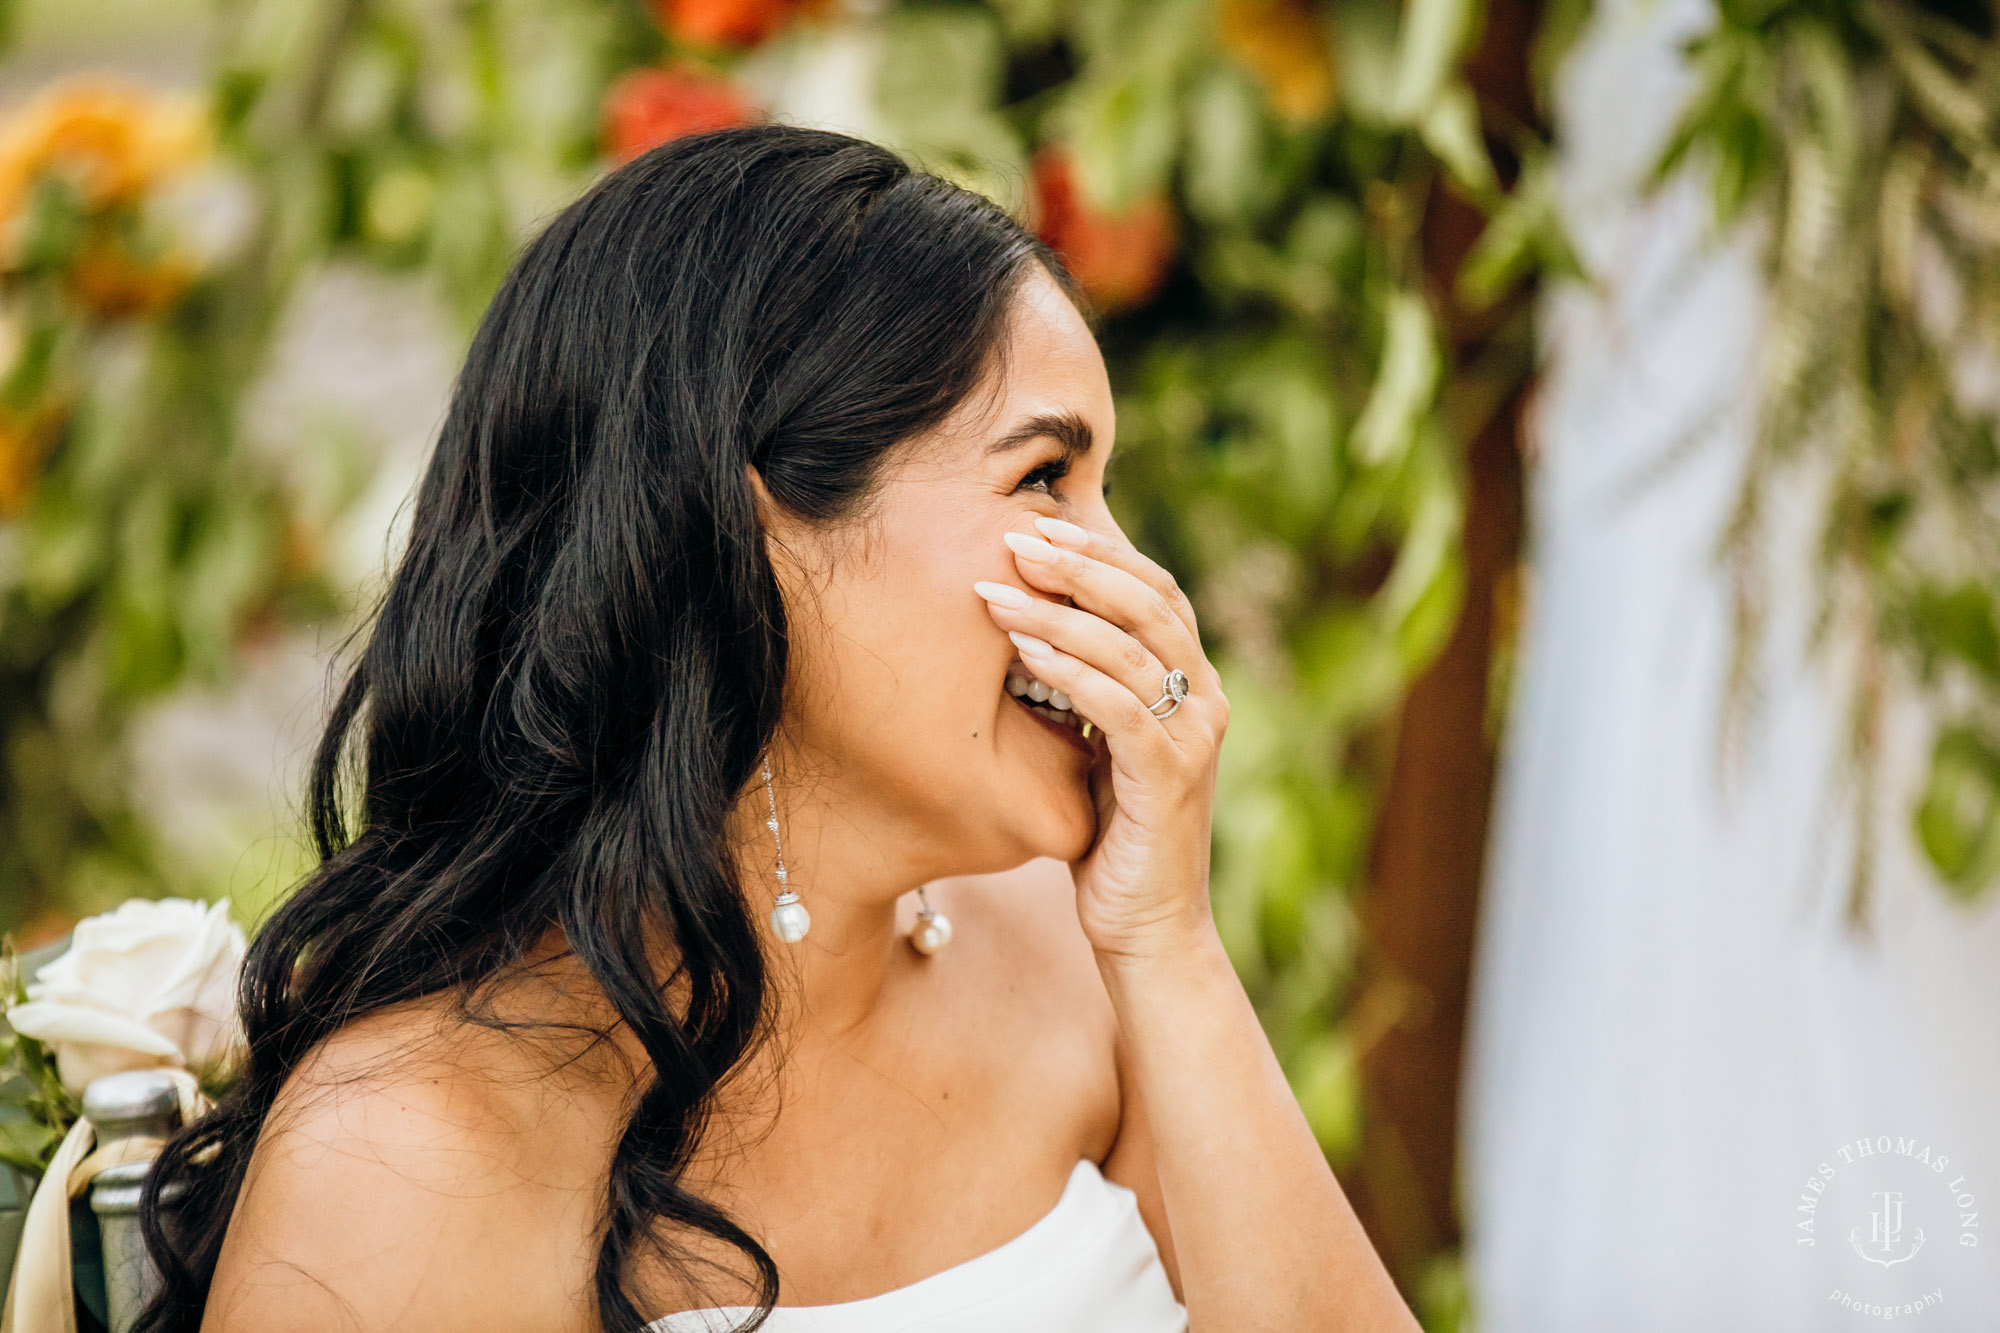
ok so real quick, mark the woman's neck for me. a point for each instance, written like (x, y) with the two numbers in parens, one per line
(850, 859)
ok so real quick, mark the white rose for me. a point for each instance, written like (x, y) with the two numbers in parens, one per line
(150, 984)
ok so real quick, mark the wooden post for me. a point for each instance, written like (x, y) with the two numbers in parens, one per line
(1420, 906)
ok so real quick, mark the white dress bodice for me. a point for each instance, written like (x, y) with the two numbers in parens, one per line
(1088, 1266)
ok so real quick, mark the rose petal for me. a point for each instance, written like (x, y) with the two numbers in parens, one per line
(216, 944)
(79, 1065)
(53, 1024)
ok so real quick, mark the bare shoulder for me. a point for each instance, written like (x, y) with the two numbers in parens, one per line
(398, 1184)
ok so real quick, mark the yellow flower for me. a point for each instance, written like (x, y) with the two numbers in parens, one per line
(113, 141)
(1285, 44)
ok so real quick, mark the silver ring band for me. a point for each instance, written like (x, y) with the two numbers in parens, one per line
(1173, 689)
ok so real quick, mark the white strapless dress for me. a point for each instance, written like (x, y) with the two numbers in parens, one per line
(1088, 1266)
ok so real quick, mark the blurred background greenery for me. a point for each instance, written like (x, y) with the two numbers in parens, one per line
(244, 241)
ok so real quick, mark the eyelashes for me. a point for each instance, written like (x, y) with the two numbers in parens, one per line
(1044, 476)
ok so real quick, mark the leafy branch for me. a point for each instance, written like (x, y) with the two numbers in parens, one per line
(1862, 136)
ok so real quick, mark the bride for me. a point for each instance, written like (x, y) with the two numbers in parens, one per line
(765, 837)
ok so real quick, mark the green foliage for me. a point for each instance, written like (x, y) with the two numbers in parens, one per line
(1958, 823)
(1862, 136)
(145, 542)
(416, 137)
(1251, 182)
(35, 1109)
(1443, 1299)
(1523, 240)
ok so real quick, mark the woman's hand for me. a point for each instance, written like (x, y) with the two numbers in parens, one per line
(1261, 1234)
(1142, 888)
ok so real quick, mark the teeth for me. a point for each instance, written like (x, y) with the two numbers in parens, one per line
(1065, 718)
(1038, 695)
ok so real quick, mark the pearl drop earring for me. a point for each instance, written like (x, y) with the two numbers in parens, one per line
(789, 919)
(933, 929)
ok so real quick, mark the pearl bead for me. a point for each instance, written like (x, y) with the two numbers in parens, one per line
(790, 921)
(931, 934)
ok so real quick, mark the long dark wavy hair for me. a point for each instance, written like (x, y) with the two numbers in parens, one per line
(582, 654)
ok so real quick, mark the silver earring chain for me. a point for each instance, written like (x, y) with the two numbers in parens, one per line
(789, 919)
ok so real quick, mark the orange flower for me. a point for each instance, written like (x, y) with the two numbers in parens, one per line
(647, 107)
(727, 22)
(1119, 258)
(113, 141)
(1284, 43)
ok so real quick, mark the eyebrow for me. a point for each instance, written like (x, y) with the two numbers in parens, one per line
(1067, 429)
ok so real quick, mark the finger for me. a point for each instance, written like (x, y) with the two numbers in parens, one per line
(1115, 594)
(1114, 549)
(1130, 730)
(1081, 633)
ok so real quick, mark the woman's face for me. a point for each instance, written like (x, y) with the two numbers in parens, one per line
(899, 707)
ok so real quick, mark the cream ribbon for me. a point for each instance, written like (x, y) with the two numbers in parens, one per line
(41, 1294)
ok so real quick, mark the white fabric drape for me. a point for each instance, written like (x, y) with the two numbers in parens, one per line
(1672, 1027)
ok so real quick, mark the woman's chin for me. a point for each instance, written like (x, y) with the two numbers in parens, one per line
(1061, 824)
(1046, 788)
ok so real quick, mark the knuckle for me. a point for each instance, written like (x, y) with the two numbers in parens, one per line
(1162, 611)
(1136, 714)
(1134, 655)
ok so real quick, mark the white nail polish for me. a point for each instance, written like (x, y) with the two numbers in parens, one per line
(1063, 533)
(1029, 548)
(1001, 594)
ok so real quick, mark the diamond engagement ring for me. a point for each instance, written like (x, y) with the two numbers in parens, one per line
(1173, 689)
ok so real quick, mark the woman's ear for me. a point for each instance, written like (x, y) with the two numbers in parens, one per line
(767, 508)
(772, 520)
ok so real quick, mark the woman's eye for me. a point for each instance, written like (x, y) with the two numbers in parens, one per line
(1044, 476)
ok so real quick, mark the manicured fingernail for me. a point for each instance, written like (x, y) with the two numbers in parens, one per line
(1030, 646)
(1001, 594)
(1063, 533)
(1028, 548)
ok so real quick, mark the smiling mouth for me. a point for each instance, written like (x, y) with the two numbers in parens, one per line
(1040, 698)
